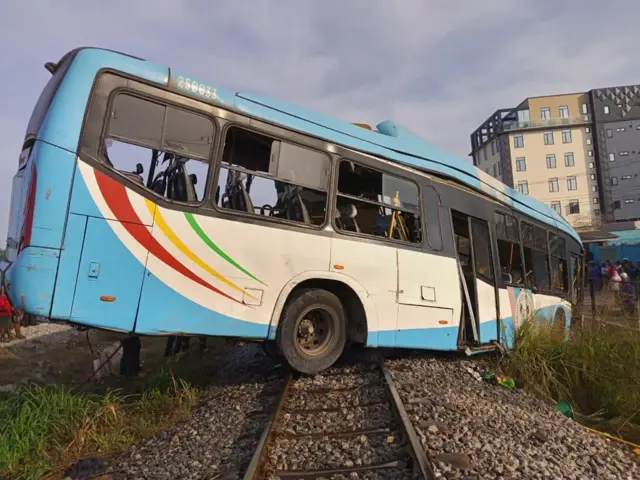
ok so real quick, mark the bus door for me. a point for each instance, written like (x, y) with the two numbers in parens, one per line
(479, 321)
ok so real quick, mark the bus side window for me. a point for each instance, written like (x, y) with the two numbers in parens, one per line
(535, 247)
(263, 176)
(508, 238)
(375, 203)
(558, 263)
(161, 147)
(432, 207)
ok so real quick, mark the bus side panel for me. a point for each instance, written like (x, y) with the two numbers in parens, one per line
(31, 279)
(54, 167)
(375, 267)
(212, 276)
(68, 269)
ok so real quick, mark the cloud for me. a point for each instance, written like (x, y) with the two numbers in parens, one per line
(439, 68)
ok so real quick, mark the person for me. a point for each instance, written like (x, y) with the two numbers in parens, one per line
(9, 315)
(627, 295)
(5, 318)
(595, 276)
(615, 280)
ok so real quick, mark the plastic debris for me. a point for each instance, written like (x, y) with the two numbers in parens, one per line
(565, 408)
(500, 380)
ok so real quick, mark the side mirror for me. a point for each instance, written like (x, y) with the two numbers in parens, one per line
(139, 168)
(193, 178)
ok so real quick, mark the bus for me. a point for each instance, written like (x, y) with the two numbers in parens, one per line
(150, 202)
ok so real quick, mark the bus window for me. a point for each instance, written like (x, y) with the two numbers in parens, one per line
(371, 202)
(508, 239)
(260, 175)
(432, 205)
(536, 263)
(160, 147)
(558, 263)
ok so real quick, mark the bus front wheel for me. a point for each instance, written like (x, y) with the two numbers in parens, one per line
(312, 332)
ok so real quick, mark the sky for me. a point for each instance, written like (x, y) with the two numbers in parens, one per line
(439, 68)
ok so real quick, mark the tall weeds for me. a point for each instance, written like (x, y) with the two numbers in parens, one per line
(597, 369)
(44, 428)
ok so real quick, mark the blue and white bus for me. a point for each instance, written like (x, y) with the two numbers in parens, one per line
(152, 203)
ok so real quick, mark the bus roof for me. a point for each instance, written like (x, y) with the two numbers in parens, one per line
(389, 140)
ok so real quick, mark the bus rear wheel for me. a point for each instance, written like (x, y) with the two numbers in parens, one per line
(312, 332)
(559, 325)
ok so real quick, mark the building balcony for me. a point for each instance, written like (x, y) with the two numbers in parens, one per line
(541, 124)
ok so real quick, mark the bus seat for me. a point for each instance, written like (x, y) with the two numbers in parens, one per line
(349, 211)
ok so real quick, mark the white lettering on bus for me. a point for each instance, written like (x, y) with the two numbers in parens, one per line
(200, 88)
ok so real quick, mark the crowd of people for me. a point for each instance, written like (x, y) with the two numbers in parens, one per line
(620, 278)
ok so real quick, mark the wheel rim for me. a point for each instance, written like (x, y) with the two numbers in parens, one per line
(314, 331)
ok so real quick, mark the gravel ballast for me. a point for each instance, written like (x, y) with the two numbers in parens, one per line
(218, 440)
(499, 433)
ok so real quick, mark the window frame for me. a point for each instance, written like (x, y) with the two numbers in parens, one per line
(525, 184)
(544, 138)
(518, 244)
(523, 161)
(565, 258)
(535, 226)
(572, 179)
(566, 136)
(553, 182)
(166, 102)
(572, 157)
(390, 241)
(550, 165)
(517, 136)
(262, 218)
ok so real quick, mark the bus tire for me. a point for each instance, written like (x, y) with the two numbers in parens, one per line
(270, 348)
(312, 332)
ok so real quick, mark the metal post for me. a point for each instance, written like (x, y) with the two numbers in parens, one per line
(592, 291)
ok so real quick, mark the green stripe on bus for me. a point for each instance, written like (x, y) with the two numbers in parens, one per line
(211, 244)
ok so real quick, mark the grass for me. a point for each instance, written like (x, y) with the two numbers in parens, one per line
(597, 370)
(45, 428)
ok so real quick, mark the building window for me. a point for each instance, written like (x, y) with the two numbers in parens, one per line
(493, 148)
(592, 176)
(594, 188)
(551, 160)
(574, 207)
(588, 141)
(585, 109)
(620, 129)
(569, 161)
(626, 177)
(499, 168)
(631, 200)
(609, 133)
(564, 111)
(616, 205)
(623, 154)
(595, 202)
(571, 183)
(548, 138)
(612, 157)
(596, 211)
(518, 141)
(606, 109)
(372, 202)
(589, 153)
(587, 129)
(557, 206)
(566, 136)
(523, 187)
(484, 153)
(495, 169)
(486, 170)
(553, 185)
(521, 164)
(592, 165)
(614, 181)
(545, 113)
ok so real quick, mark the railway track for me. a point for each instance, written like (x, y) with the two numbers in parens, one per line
(345, 423)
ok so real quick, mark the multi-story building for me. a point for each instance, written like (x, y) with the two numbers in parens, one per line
(577, 152)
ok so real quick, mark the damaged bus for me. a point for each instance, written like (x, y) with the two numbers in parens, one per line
(152, 203)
